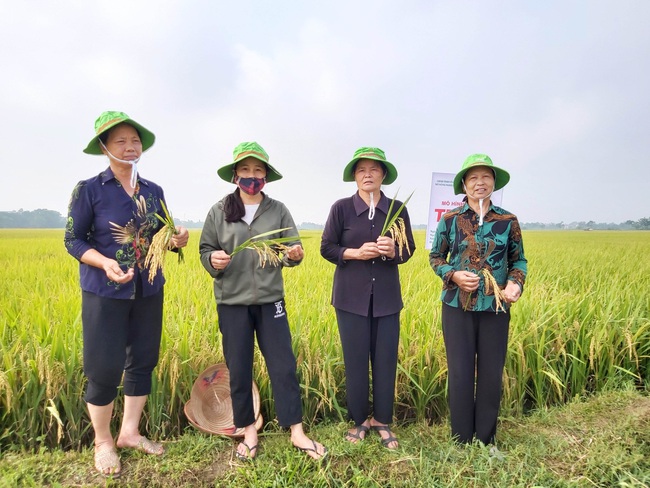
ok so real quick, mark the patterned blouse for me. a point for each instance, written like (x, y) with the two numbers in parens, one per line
(460, 244)
(102, 216)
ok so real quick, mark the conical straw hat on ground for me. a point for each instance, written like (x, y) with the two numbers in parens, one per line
(210, 407)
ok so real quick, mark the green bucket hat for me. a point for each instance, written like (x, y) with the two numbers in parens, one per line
(370, 153)
(110, 119)
(242, 151)
(501, 177)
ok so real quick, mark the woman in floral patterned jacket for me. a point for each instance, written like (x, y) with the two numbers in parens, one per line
(478, 253)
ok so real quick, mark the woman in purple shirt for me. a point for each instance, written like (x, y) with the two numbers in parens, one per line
(366, 292)
(111, 221)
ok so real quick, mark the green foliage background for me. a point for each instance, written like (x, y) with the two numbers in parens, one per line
(582, 325)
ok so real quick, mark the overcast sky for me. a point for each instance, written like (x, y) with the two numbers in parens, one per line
(556, 92)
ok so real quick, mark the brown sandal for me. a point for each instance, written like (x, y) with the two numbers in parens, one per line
(391, 437)
(354, 435)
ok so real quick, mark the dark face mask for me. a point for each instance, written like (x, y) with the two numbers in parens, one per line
(251, 186)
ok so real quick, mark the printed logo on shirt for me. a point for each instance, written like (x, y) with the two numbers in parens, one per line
(279, 310)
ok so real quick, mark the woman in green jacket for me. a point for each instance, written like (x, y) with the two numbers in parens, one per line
(250, 298)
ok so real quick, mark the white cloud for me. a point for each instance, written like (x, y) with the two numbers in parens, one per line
(111, 77)
(536, 86)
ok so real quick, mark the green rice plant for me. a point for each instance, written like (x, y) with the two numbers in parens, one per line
(315, 333)
(422, 367)
(582, 325)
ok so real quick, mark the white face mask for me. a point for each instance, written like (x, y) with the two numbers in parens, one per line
(134, 168)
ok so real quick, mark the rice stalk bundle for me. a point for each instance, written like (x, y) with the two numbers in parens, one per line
(398, 232)
(268, 250)
(394, 225)
(160, 244)
(491, 284)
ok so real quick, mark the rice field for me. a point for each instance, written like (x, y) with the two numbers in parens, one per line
(583, 324)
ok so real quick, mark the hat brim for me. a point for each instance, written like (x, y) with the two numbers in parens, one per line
(227, 172)
(501, 179)
(146, 137)
(391, 171)
(231, 431)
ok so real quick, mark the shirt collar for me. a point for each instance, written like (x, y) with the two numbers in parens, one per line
(108, 175)
(491, 208)
(360, 206)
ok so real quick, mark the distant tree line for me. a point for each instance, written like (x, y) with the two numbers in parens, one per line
(641, 224)
(32, 219)
(50, 219)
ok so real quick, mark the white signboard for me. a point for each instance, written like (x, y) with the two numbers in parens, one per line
(443, 200)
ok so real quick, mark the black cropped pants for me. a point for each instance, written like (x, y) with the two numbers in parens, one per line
(121, 338)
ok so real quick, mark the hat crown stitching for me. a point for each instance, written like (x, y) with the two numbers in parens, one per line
(365, 155)
(109, 117)
(369, 151)
(110, 123)
(243, 154)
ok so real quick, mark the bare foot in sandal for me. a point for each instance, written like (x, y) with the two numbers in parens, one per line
(247, 449)
(246, 452)
(358, 433)
(310, 447)
(107, 461)
(142, 444)
(388, 439)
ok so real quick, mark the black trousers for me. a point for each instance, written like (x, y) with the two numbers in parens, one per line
(120, 338)
(239, 324)
(374, 339)
(476, 344)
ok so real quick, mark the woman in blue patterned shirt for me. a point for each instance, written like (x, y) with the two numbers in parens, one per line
(472, 244)
(112, 219)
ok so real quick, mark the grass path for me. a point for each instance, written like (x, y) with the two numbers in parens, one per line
(600, 441)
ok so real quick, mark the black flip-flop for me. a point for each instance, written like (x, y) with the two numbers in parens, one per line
(387, 440)
(306, 450)
(247, 457)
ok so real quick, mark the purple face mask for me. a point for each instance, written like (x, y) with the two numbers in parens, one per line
(251, 186)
